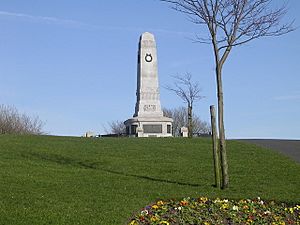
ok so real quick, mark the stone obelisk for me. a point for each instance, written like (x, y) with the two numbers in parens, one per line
(148, 119)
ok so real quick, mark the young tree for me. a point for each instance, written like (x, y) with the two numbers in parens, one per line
(189, 92)
(231, 23)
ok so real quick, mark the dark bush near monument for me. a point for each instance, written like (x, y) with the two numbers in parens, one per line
(14, 122)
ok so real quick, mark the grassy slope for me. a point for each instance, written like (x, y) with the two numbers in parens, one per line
(63, 180)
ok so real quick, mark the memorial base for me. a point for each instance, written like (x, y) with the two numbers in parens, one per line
(149, 127)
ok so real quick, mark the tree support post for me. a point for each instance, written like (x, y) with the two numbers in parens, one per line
(216, 152)
(190, 121)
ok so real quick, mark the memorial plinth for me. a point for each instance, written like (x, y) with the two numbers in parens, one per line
(148, 119)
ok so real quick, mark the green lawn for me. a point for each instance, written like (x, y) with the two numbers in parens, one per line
(64, 180)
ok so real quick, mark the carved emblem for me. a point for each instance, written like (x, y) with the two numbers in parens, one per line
(148, 57)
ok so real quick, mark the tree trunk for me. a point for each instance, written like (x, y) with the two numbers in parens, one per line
(216, 153)
(190, 121)
(222, 143)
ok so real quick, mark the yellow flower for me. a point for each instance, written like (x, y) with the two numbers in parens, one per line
(154, 218)
(279, 223)
(203, 199)
(160, 203)
(249, 221)
(206, 223)
(276, 218)
(224, 206)
(164, 222)
(133, 222)
(155, 207)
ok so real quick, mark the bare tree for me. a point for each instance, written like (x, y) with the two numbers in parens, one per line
(231, 23)
(179, 116)
(13, 122)
(116, 127)
(189, 92)
(200, 127)
(180, 119)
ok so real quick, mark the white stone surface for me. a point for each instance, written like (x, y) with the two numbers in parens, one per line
(184, 131)
(148, 99)
(140, 132)
(148, 119)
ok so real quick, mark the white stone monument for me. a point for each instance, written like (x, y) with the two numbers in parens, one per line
(184, 132)
(148, 119)
(89, 134)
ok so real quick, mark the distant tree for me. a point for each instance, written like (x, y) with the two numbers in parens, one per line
(180, 117)
(116, 127)
(14, 122)
(189, 92)
(231, 23)
(200, 127)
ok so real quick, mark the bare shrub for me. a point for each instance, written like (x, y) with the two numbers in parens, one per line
(14, 122)
(180, 117)
(116, 127)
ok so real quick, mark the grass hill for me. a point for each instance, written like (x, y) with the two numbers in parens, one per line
(68, 180)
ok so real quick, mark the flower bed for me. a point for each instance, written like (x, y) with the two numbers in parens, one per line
(206, 211)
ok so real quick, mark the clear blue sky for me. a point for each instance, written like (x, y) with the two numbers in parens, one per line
(73, 63)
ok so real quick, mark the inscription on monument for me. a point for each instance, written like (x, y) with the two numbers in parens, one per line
(149, 108)
(152, 128)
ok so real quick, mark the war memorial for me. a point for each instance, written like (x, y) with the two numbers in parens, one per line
(148, 119)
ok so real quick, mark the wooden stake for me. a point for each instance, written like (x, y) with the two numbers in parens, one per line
(216, 152)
